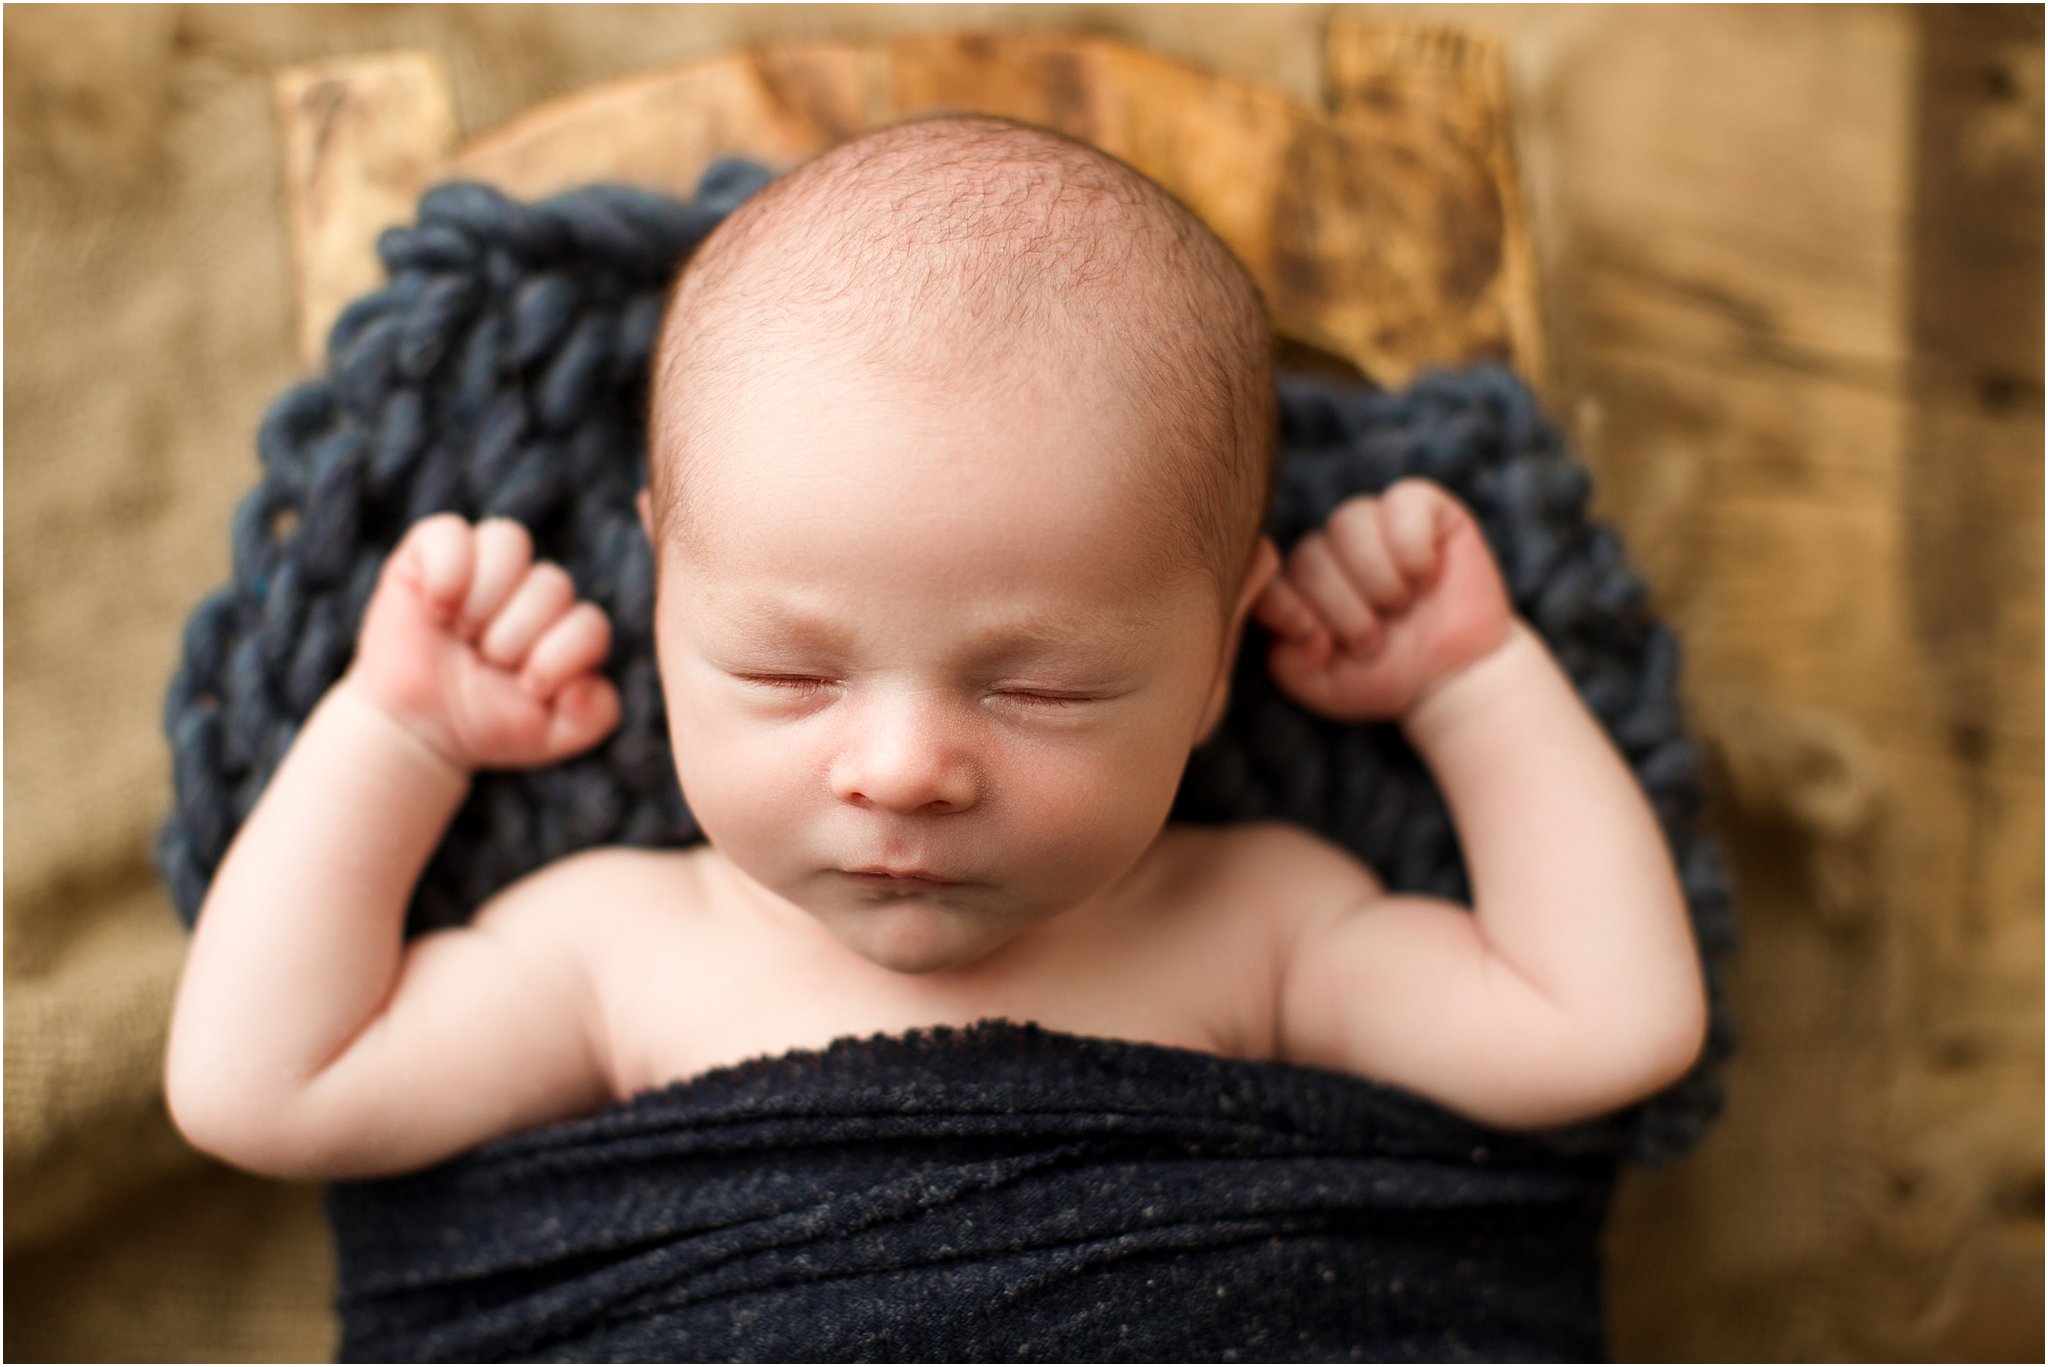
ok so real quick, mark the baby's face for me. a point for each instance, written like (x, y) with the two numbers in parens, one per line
(933, 639)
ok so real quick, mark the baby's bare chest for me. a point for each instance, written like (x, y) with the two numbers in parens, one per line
(693, 987)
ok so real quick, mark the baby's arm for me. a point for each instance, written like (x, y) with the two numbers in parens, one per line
(308, 1040)
(1573, 987)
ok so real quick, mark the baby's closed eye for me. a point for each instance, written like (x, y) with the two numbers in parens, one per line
(792, 683)
(805, 685)
(1046, 696)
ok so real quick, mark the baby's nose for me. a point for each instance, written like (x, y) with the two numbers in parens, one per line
(905, 754)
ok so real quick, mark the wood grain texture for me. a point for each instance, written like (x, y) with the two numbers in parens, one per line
(776, 105)
(1798, 321)
(363, 137)
(1389, 234)
(1964, 1119)
(1416, 85)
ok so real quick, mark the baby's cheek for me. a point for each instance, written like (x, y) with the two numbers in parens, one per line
(729, 773)
(1096, 810)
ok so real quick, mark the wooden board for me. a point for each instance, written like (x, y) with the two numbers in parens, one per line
(1799, 309)
(1387, 230)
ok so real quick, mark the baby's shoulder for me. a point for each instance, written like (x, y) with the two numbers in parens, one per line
(612, 885)
(1237, 902)
(1275, 862)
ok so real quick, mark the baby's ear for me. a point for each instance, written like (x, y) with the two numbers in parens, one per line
(1265, 565)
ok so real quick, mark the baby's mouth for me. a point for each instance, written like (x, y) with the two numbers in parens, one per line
(886, 881)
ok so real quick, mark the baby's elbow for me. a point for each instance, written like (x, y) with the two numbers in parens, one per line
(1657, 1048)
(1683, 1041)
(1591, 1070)
(309, 1135)
(213, 1125)
(248, 1133)
(197, 1103)
(1583, 1072)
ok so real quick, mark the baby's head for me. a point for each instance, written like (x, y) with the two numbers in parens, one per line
(960, 440)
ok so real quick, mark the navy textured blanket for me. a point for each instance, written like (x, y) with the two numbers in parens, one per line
(1001, 1192)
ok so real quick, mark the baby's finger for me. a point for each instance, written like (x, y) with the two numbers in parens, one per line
(1303, 673)
(584, 713)
(540, 599)
(1322, 581)
(577, 643)
(1358, 539)
(1417, 514)
(435, 555)
(503, 551)
(1283, 611)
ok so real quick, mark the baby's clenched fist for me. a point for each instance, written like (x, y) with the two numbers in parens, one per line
(483, 652)
(1394, 597)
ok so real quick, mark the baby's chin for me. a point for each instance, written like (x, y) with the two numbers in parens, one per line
(913, 936)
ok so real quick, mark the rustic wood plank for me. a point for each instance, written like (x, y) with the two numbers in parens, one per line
(363, 137)
(662, 131)
(1743, 437)
(1853, 559)
(1964, 1240)
(1384, 240)
(1446, 90)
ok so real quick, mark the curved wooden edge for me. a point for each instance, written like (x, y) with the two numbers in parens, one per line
(1388, 230)
(1387, 75)
(364, 137)
(777, 103)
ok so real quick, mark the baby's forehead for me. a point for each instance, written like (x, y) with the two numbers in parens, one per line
(1059, 431)
(807, 397)
(906, 466)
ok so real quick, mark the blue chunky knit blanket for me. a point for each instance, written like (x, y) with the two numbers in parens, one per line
(999, 1192)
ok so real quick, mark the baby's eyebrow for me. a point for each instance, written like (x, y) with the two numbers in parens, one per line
(773, 619)
(1050, 638)
(1006, 639)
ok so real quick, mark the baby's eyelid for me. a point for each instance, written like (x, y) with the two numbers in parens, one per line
(806, 682)
(1041, 695)
(787, 680)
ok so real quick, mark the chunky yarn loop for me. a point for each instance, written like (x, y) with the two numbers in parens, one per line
(502, 372)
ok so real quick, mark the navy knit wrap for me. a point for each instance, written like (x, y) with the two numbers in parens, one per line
(998, 1193)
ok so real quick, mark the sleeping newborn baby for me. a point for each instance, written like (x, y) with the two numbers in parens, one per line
(960, 439)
